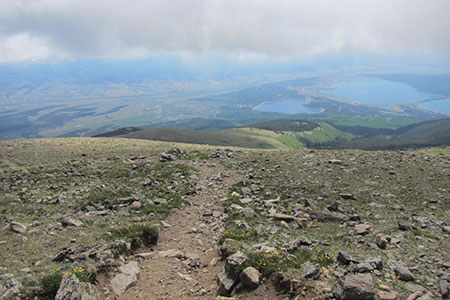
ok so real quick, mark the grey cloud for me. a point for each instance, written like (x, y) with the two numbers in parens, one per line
(261, 28)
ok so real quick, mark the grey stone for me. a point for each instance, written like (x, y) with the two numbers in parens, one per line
(324, 216)
(362, 229)
(347, 196)
(362, 267)
(71, 289)
(403, 273)
(405, 226)
(121, 282)
(225, 283)
(233, 262)
(247, 212)
(67, 221)
(414, 287)
(165, 157)
(446, 229)
(444, 288)
(250, 277)
(246, 191)
(376, 263)
(300, 241)
(344, 258)
(9, 287)
(356, 287)
(382, 241)
(127, 278)
(283, 217)
(311, 271)
(171, 253)
(17, 227)
(165, 224)
(131, 268)
(427, 296)
(245, 200)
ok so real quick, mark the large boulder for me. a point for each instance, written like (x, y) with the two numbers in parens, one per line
(403, 273)
(356, 287)
(250, 277)
(128, 277)
(71, 288)
(229, 276)
(226, 283)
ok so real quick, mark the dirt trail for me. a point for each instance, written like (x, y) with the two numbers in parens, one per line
(194, 230)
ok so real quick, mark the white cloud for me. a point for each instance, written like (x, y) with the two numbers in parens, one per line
(249, 28)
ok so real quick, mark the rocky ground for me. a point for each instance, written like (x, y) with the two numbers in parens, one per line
(248, 224)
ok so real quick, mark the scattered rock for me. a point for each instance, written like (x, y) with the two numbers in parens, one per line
(165, 157)
(9, 287)
(245, 200)
(405, 227)
(127, 278)
(171, 253)
(283, 217)
(250, 277)
(384, 295)
(362, 229)
(344, 258)
(311, 271)
(300, 241)
(72, 289)
(444, 288)
(226, 283)
(247, 212)
(362, 267)
(165, 224)
(414, 295)
(324, 216)
(17, 227)
(233, 262)
(67, 221)
(347, 196)
(403, 273)
(427, 296)
(354, 287)
(382, 241)
(446, 229)
(228, 278)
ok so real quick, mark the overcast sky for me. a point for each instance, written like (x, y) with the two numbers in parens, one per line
(243, 29)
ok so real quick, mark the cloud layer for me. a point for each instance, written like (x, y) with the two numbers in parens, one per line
(240, 29)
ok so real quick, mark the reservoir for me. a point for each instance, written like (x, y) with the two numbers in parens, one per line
(441, 105)
(376, 92)
(287, 107)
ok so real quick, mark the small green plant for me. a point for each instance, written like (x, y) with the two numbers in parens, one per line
(203, 155)
(146, 232)
(50, 282)
(323, 258)
(275, 262)
(237, 235)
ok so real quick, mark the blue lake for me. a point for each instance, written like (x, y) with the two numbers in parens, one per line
(442, 105)
(287, 107)
(376, 92)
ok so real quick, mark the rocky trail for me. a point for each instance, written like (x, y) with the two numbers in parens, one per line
(185, 262)
(304, 224)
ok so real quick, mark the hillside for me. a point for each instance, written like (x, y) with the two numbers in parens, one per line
(137, 219)
(278, 134)
(424, 134)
